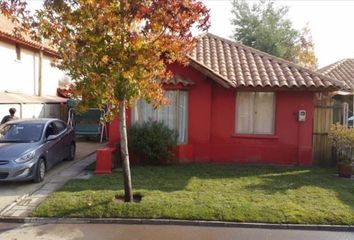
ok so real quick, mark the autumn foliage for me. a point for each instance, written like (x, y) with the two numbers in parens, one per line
(305, 50)
(118, 50)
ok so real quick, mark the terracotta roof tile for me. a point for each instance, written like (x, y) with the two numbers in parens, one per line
(237, 65)
(7, 28)
(342, 71)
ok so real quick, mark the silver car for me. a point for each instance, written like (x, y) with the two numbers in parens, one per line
(28, 148)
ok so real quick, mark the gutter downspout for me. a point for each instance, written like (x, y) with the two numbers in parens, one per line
(40, 60)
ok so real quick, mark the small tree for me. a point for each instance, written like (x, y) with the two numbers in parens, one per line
(305, 52)
(264, 26)
(117, 50)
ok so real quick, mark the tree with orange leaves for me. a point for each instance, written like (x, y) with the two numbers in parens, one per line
(117, 51)
(305, 52)
(16, 11)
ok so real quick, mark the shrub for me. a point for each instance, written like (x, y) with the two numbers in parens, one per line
(152, 142)
(342, 139)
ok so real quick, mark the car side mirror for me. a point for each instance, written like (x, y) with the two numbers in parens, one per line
(51, 138)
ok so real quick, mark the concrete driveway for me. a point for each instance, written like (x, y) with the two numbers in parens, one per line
(11, 192)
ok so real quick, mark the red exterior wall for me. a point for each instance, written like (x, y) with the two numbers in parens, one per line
(211, 127)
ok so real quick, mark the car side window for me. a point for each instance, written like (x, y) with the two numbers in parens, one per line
(60, 126)
(50, 130)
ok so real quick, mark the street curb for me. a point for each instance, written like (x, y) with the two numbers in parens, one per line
(39, 220)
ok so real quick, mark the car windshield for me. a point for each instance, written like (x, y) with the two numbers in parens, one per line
(21, 132)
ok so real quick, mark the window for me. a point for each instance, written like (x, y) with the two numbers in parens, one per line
(174, 115)
(255, 112)
(21, 132)
(50, 130)
(18, 52)
(60, 126)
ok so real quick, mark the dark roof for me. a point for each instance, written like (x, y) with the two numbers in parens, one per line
(342, 71)
(235, 65)
(7, 28)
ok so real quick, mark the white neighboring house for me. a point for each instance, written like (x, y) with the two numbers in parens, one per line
(19, 76)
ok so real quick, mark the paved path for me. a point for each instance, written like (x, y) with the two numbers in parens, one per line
(156, 232)
(18, 199)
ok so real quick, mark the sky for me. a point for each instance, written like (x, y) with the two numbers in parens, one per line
(331, 24)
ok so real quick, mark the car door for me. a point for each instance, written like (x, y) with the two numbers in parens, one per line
(64, 141)
(52, 143)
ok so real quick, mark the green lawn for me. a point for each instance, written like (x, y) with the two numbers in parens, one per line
(212, 192)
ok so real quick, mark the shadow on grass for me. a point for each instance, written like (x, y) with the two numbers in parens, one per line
(171, 178)
(320, 178)
(268, 179)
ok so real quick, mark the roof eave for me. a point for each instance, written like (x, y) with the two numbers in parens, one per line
(225, 83)
(209, 73)
(14, 39)
(290, 89)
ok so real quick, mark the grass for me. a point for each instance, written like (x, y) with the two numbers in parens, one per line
(212, 192)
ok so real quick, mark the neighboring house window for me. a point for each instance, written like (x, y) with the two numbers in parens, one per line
(255, 112)
(18, 52)
(174, 115)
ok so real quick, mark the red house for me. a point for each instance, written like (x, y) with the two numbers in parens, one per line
(233, 103)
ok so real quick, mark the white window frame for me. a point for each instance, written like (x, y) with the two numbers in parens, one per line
(136, 119)
(252, 118)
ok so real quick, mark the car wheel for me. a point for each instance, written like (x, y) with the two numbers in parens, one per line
(40, 171)
(72, 150)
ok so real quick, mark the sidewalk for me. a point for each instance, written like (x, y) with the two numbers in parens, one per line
(23, 206)
(79, 231)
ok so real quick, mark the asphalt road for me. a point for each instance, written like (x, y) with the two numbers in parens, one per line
(156, 232)
(9, 192)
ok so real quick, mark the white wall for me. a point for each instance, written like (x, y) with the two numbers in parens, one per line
(50, 77)
(32, 110)
(4, 110)
(22, 76)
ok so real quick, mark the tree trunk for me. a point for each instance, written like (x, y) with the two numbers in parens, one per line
(128, 192)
